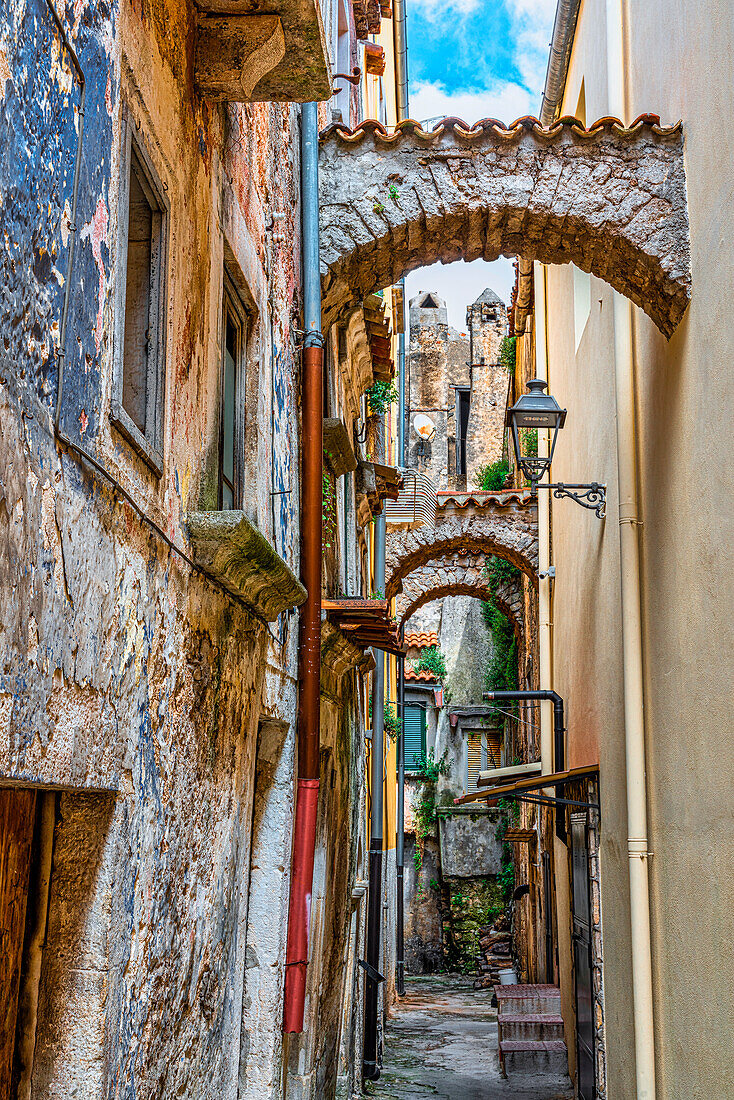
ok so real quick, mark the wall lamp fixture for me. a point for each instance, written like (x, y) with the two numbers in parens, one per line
(539, 410)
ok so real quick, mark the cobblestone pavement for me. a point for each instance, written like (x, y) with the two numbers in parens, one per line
(442, 1043)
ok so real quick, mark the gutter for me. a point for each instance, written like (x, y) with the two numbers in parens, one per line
(309, 705)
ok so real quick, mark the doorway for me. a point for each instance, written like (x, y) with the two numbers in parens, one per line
(583, 985)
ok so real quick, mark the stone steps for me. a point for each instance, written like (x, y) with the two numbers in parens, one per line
(528, 1056)
(530, 1029)
(545, 1026)
(528, 998)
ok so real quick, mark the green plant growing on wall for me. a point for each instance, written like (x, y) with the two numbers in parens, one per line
(493, 476)
(499, 571)
(380, 396)
(328, 510)
(424, 812)
(432, 660)
(508, 349)
(393, 192)
(391, 722)
(378, 207)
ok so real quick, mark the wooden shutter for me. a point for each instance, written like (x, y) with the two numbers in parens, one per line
(473, 760)
(494, 749)
(414, 732)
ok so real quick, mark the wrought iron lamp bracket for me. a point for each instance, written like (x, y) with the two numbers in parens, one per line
(593, 496)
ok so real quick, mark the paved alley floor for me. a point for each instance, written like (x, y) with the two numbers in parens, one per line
(441, 1042)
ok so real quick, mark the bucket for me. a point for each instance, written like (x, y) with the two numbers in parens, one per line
(507, 977)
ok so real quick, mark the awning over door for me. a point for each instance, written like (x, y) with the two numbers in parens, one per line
(527, 786)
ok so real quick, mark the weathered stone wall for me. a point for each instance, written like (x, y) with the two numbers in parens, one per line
(128, 680)
(486, 320)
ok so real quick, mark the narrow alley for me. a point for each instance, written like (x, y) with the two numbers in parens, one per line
(441, 1042)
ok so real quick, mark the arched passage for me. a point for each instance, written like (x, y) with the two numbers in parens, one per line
(610, 199)
(467, 526)
(419, 590)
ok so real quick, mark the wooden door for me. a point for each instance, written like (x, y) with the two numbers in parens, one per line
(17, 812)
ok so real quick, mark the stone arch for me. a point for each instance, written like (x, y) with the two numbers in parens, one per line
(610, 199)
(467, 526)
(439, 579)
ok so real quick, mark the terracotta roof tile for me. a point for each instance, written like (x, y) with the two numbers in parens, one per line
(423, 677)
(421, 639)
(497, 129)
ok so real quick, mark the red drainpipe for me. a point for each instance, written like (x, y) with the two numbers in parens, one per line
(309, 710)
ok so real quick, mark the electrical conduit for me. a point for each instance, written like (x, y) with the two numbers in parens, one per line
(309, 710)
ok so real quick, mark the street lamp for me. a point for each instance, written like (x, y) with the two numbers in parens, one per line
(540, 410)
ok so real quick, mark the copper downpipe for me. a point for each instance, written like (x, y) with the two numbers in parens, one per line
(309, 709)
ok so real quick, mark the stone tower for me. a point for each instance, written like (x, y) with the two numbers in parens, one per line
(455, 378)
(486, 320)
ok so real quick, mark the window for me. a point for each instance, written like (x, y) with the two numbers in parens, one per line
(231, 413)
(463, 400)
(139, 354)
(483, 751)
(414, 734)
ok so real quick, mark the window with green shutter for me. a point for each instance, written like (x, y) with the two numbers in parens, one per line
(414, 732)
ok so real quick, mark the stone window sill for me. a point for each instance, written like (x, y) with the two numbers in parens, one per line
(230, 547)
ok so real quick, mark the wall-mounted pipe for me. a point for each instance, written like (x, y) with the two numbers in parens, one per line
(309, 708)
(629, 572)
(559, 738)
(402, 109)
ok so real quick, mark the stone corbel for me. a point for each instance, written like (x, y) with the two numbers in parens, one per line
(232, 549)
(234, 53)
(338, 449)
(339, 655)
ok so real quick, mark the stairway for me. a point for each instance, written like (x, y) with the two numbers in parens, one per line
(530, 1029)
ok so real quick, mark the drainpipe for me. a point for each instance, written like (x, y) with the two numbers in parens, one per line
(544, 594)
(401, 102)
(629, 555)
(309, 710)
(559, 740)
(370, 1070)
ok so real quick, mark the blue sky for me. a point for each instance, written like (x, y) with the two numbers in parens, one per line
(475, 59)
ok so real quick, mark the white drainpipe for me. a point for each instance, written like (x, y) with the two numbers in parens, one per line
(634, 720)
(544, 601)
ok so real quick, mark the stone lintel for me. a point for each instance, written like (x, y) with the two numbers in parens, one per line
(338, 450)
(278, 54)
(230, 547)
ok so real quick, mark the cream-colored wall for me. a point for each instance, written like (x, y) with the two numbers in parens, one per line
(681, 62)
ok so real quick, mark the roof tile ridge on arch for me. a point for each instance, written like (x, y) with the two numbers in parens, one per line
(495, 126)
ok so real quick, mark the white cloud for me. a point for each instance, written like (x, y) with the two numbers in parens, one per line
(533, 28)
(501, 99)
(460, 284)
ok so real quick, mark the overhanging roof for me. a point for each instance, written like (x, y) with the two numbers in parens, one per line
(491, 794)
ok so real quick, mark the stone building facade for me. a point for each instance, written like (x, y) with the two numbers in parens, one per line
(150, 369)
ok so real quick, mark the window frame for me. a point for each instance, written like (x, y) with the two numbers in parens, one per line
(232, 303)
(149, 445)
(413, 705)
